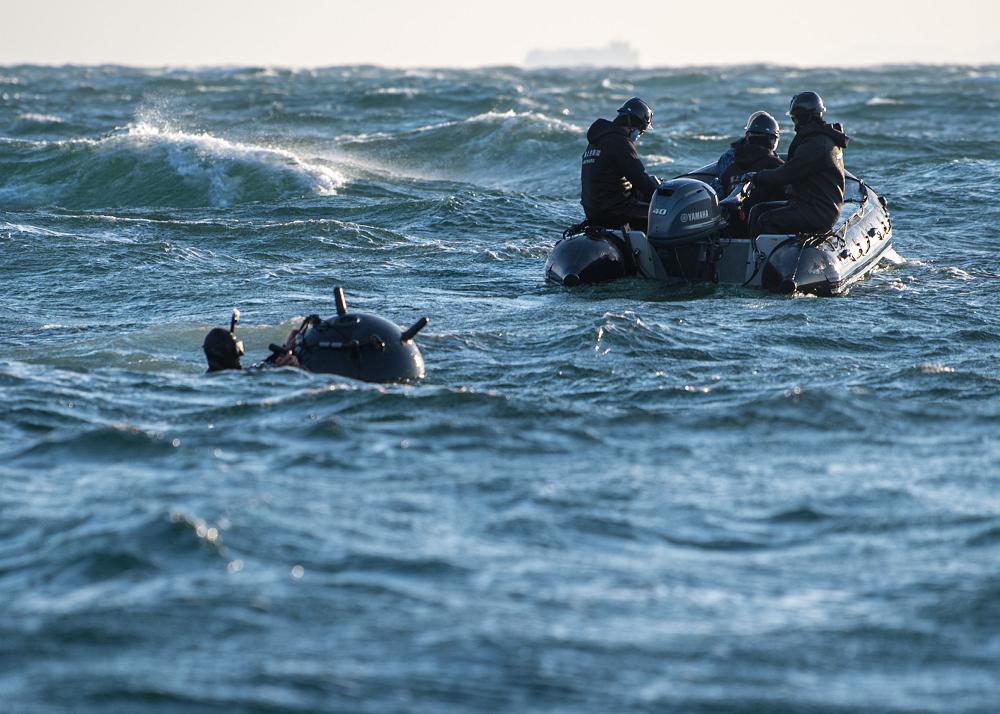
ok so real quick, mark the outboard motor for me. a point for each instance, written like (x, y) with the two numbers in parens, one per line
(359, 345)
(682, 211)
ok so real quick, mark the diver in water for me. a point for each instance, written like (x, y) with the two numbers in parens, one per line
(615, 188)
(358, 345)
(814, 174)
(223, 350)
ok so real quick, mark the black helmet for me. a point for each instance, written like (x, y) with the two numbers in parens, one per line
(763, 129)
(762, 124)
(638, 113)
(806, 104)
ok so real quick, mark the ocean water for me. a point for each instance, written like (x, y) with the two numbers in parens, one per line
(622, 498)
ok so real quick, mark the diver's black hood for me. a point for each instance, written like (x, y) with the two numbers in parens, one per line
(834, 131)
(603, 127)
(222, 350)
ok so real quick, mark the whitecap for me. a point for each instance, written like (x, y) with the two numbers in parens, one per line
(40, 118)
(32, 230)
(957, 273)
(935, 369)
(510, 114)
(151, 160)
(206, 155)
(399, 91)
(606, 83)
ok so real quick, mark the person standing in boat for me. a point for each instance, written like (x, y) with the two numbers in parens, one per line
(814, 175)
(615, 188)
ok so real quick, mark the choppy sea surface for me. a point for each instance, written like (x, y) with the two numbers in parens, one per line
(623, 498)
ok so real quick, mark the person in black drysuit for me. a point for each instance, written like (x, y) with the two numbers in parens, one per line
(223, 350)
(814, 174)
(615, 188)
(754, 152)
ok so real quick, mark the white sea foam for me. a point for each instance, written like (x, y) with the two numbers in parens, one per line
(957, 273)
(510, 114)
(882, 101)
(934, 368)
(152, 160)
(607, 83)
(31, 230)
(509, 117)
(399, 91)
(40, 118)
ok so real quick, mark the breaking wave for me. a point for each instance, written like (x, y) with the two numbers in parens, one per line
(149, 165)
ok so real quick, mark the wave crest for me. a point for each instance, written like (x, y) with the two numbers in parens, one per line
(151, 165)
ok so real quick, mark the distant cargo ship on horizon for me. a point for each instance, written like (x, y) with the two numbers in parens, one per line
(614, 54)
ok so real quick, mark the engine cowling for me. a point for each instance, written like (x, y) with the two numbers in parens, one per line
(682, 211)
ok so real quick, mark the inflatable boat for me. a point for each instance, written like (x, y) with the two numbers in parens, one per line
(691, 239)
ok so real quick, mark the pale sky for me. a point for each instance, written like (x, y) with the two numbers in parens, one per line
(466, 33)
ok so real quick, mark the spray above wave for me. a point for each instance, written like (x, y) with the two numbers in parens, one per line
(149, 165)
(493, 147)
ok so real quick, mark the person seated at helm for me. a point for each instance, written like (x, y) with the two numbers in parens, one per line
(615, 188)
(756, 151)
(813, 173)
